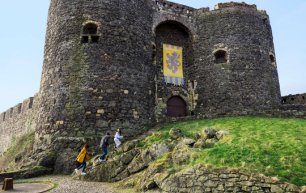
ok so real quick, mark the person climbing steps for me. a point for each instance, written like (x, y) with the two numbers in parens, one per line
(118, 137)
(103, 145)
(81, 160)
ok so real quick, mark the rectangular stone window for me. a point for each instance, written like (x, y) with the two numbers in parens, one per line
(89, 33)
(94, 39)
(220, 57)
(84, 39)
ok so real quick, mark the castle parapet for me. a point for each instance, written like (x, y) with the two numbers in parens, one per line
(235, 5)
(240, 6)
(27, 104)
(299, 99)
(203, 10)
(174, 7)
(2, 117)
(18, 109)
(17, 121)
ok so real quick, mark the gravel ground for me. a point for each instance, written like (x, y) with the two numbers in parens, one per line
(67, 185)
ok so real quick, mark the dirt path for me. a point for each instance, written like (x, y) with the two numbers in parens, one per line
(67, 185)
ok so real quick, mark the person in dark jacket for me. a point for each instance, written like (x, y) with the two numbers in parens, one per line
(104, 144)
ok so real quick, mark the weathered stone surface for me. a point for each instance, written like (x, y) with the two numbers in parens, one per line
(152, 177)
(175, 133)
(155, 176)
(26, 173)
(121, 166)
(188, 141)
(147, 156)
(106, 172)
(127, 157)
(115, 78)
(208, 180)
(294, 99)
(158, 150)
(292, 188)
(276, 189)
(222, 133)
(129, 145)
(210, 133)
(18, 121)
(200, 143)
(47, 159)
(181, 153)
(64, 163)
(115, 169)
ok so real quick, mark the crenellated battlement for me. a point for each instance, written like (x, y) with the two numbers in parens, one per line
(179, 9)
(17, 121)
(174, 7)
(299, 99)
(235, 5)
(20, 108)
(239, 6)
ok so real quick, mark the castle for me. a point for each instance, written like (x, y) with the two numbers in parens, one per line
(104, 67)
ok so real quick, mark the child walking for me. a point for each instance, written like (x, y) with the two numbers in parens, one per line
(104, 144)
(81, 159)
(118, 138)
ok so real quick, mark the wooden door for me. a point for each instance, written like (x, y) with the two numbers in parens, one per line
(176, 107)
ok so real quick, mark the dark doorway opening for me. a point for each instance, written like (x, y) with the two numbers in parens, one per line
(220, 57)
(173, 33)
(176, 107)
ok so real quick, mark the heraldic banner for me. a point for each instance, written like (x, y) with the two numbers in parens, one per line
(173, 64)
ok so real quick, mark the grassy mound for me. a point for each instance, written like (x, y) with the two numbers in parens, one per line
(272, 146)
(20, 146)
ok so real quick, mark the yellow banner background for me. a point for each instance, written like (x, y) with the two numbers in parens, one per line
(173, 61)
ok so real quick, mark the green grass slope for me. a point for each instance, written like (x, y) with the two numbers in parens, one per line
(272, 146)
(19, 146)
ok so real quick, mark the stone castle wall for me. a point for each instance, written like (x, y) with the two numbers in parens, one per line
(297, 99)
(114, 77)
(247, 79)
(202, 179)
(94, 87)
(173, 24)
(17, 121)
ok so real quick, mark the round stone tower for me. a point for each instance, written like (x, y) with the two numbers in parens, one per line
(235, 64)
(97, 72)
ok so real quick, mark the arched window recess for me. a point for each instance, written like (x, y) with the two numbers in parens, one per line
(90, 33)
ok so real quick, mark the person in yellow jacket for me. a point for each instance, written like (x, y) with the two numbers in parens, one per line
(81, 159)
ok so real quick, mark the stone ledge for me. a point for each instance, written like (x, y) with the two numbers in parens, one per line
(25, 174)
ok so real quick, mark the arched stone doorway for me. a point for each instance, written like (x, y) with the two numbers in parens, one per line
(176, 107)
(173, 33)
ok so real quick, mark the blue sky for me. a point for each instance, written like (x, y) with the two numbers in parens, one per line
(22, 35)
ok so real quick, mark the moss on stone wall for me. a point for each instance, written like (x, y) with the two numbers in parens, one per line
(78, 75)
(10, 160)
